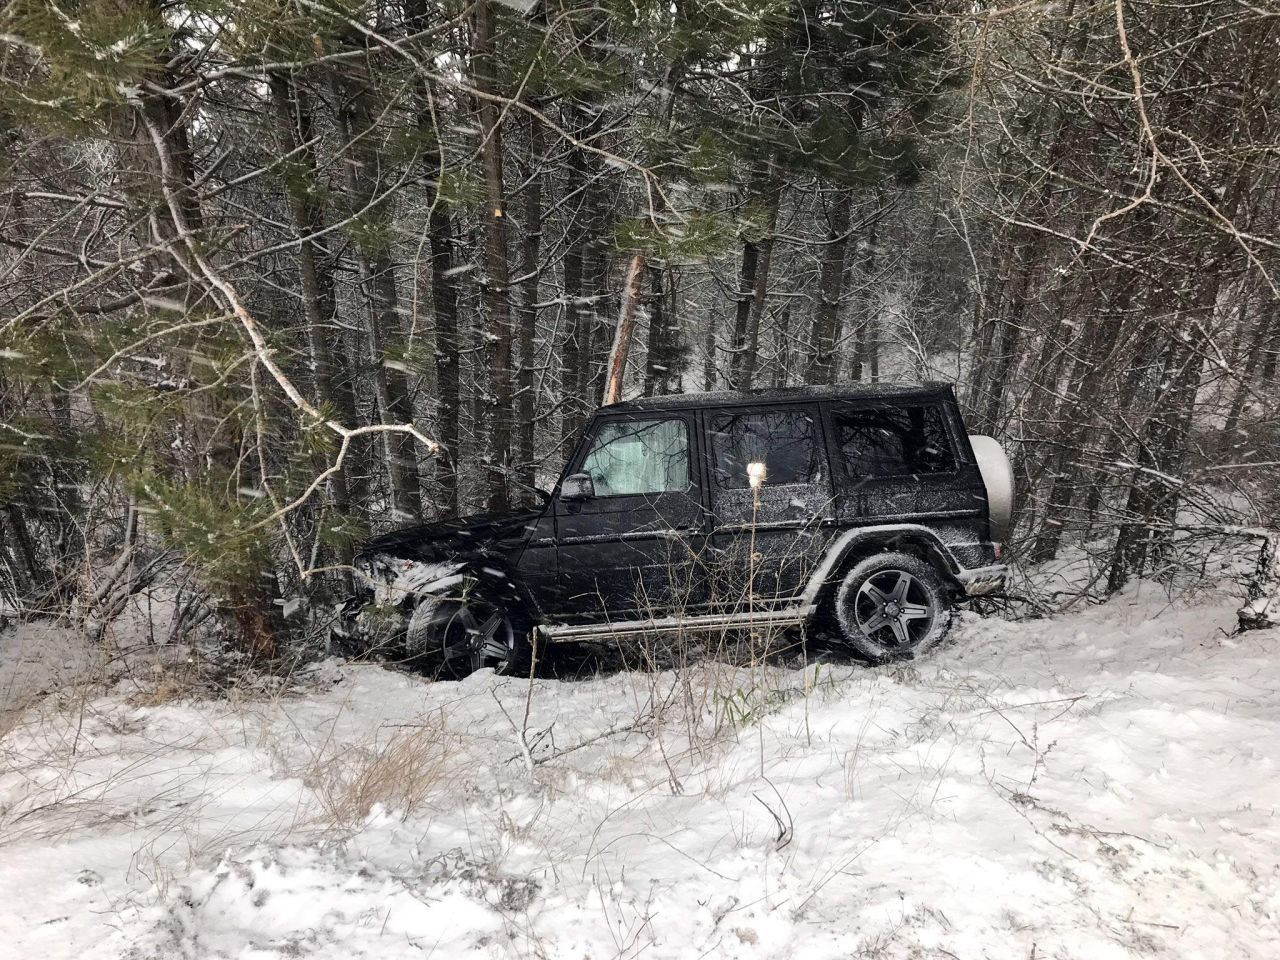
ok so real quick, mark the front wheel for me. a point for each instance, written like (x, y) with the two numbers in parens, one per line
(892, 606)
(456, 637)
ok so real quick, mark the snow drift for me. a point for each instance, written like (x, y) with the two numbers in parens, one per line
(1101, 785)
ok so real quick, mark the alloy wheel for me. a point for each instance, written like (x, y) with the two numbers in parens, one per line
(464, 635)
(893, 608)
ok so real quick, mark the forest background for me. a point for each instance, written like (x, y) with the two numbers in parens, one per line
(276, 274)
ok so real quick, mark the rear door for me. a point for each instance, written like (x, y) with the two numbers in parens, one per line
(766, 539)
(627, 552)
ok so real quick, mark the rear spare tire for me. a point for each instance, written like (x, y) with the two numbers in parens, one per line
(997, 476)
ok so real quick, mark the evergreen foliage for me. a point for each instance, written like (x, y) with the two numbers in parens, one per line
(241, 238)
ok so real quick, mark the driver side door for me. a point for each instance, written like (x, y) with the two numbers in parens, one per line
(627, 552)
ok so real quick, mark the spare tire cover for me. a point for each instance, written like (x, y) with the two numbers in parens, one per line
(997, 474)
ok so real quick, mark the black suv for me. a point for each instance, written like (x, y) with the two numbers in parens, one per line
(865, 509)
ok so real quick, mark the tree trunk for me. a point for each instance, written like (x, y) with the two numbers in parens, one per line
(497, 281)
(709, 346)
(1151, 510)
(656, 365)
(782, 372)
(1124, 411)
(444, 287)
(1003, 317)
(1248, 378)
(826, 319)
(530, 275)
(314, 280)
(597, 268)
(867, 345)
(38, 577)
(154, 141)
(742, 309)
(753, 283)
(1152, 502)
(578, 314)
(1271, 357)
(371, 245)
(624, 333)
(1102, 345)
(444, 296)
(760, 291)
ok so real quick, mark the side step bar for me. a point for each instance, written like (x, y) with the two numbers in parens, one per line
(788, 617)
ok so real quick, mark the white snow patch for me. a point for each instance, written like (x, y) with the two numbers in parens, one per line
(40, 658)
(1100, 785)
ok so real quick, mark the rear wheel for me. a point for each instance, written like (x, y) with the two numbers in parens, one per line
(455, 637)
(892, 606)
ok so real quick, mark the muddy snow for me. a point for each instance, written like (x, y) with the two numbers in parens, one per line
(1100, 784)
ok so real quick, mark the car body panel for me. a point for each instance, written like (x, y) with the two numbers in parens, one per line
(764, 541)
(624, 553)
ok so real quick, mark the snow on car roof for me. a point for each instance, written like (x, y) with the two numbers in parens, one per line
(730, 398)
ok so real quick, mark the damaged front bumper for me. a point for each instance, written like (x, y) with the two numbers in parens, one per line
(391, 585)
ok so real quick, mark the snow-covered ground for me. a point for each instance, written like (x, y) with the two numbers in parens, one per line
(1101, 784)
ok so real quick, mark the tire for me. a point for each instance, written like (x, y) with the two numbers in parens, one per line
(874, 588)
(456, 637)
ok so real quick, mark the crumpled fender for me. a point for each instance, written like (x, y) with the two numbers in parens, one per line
(398, 581)
(394, 580)
(392, 585)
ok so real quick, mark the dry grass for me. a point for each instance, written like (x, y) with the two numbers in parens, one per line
(399, 775)
(167, 685)
(10, 718)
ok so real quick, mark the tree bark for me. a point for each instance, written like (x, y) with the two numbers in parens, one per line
(826, 320)
(753, 282)
(1253, 360)
(316, 285)
(656, 365)
(497, 280)
(597, 269)
(1003, 318)
(446, 342)
(160, 184)
(530, 277)
(444, 296)
(579, 309)
(1102, 344)
(742, 309)
(782, 372)
(624, 333)
(1152, 502)
(760, 288)
(710, 372)
(372, 239)
(38, 578)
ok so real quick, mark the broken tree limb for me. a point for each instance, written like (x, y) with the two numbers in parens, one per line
(625, 330)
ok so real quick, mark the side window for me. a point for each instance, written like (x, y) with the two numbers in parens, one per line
(785, 441)
(630, 457)
(893, 441)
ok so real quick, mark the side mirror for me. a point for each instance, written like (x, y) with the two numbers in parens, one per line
(577, 487)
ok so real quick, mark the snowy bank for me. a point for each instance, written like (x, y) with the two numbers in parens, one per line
(1093, 786)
